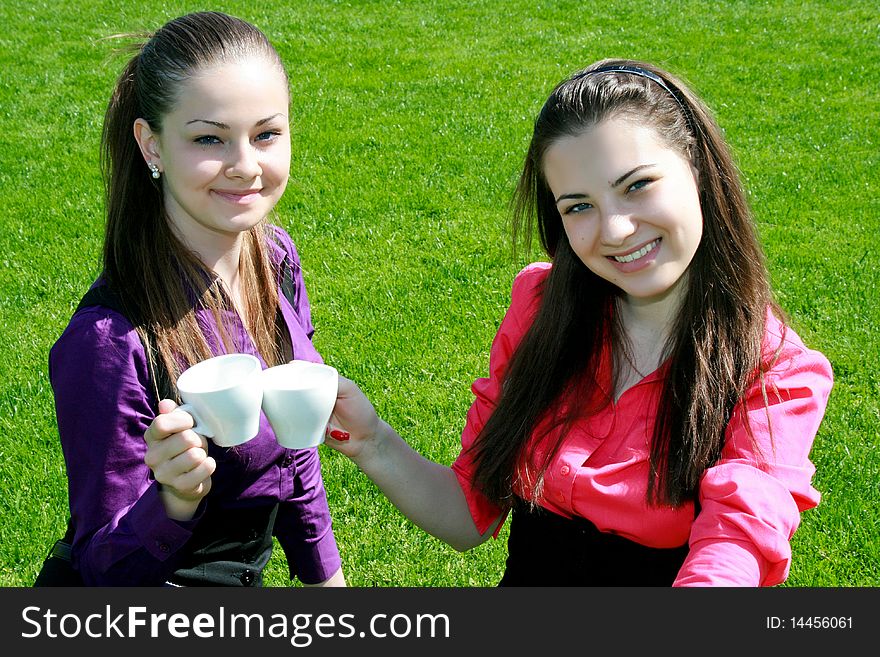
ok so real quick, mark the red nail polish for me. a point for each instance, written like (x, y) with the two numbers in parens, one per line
(336, 434)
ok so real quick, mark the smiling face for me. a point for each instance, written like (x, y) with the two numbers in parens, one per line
(629, 205)
(223, 150)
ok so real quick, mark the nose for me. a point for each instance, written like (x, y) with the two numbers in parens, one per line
(616, 227)
(243, 161)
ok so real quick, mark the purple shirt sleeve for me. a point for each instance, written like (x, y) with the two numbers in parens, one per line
(98, 373)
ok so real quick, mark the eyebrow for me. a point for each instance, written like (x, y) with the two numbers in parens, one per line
(224, 126)
(629, 173)
(616, 183)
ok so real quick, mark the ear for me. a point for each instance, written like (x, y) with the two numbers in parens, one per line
(148, 142)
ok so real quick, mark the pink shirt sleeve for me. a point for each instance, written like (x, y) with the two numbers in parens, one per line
(517, 320)
(751, 500)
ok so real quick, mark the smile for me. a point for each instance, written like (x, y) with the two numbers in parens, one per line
(242, 198)
(641, 253)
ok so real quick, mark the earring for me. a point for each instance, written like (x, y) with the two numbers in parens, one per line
(155, 169)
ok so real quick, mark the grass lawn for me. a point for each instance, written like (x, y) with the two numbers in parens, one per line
(410, 123)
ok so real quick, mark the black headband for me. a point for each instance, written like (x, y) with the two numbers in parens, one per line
(636, 70)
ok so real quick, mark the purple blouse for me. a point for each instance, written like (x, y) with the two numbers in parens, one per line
(104, 404)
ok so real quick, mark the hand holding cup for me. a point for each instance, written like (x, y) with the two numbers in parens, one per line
(178, 458)
(354, 425)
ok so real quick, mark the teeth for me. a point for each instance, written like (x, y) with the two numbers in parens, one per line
(641, 253)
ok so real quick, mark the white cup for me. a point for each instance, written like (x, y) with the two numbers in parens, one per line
(298, 398)
(224, 396)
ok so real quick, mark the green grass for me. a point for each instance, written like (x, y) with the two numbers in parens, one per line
(410, 124)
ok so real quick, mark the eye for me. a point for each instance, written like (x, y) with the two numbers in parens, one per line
(206, 140)
(577, 208)
(639, 184)
(269, 135)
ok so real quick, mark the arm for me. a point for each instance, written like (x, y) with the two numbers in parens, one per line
(439, 499)
(300, 304)
(303, 526)
(424, 491)
(99, 378)
(179, 461)
(751, 500)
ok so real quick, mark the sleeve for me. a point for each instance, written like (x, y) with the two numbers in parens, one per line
(303, 526)
(751, 500)
(99, 378)
(525, 297)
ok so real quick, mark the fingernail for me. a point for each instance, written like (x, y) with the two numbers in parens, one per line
(337, 434)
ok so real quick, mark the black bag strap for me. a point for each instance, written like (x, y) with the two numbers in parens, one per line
(288, 287)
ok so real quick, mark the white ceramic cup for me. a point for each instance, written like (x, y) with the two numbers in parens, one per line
(298, 398)
(224, 395)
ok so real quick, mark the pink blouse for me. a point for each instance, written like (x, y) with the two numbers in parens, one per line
(750, 499)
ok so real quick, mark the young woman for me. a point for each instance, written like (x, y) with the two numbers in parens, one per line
(648, 416)
(196, 148)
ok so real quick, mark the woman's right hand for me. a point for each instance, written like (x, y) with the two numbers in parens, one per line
(354, 423)
(178, 458)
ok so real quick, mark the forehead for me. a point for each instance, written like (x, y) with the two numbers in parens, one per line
(253, 85)
(605, 151)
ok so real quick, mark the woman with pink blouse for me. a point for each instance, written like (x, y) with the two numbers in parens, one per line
(648, 414)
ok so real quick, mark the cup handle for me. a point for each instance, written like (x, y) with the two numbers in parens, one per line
(199, 427)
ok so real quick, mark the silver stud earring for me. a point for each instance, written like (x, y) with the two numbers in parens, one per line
(155, 169)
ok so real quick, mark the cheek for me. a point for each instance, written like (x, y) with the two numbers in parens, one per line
(573, 239)
(580, 234)
(193, 171)
(279, 165)
(694, 225)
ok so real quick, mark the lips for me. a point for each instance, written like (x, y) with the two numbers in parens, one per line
(238, 197)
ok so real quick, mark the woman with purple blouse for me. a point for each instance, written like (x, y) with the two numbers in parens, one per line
(196, 154)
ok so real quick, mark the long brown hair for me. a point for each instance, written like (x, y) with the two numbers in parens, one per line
(715, 346)
(157, 278)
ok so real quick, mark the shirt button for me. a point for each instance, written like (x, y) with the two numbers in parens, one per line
(560, 496)
(163, 547)
(564, 470)
(287, 461)
(247, 577)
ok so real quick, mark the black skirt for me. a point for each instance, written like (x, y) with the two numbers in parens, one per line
(546, 549)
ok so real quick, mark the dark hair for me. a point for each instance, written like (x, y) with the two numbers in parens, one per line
(715, 346)
(149, 268)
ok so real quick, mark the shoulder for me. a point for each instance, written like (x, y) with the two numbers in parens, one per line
(529, 282)
(98, 356)
(525, 298)
(96, 331)
(279, 238)
(789, 359)
(781, 341)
